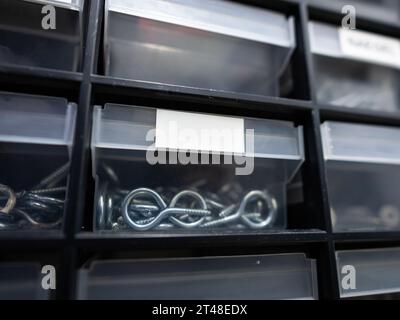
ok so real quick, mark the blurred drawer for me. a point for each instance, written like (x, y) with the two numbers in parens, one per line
(374, 271)
(216, 45)
(363, 175)
(24, 41)
(355, 69)
(387, 11)
(285, 276)
(21, 281)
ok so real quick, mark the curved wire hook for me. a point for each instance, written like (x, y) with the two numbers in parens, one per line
(142, 192)
(194, 195)
(265, 197)
(11, 200)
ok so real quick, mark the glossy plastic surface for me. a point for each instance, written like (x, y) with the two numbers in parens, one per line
(286, 276)
(123, 163)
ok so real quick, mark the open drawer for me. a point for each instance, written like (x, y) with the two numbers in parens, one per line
(158, 170)
(362, 166)
(280, 276)
(368, 272)
(35, 138)
(49, 39)
(209, 44)
(355, 69)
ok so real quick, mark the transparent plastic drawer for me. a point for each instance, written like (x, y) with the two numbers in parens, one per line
(286, 276)
(368, 272)
(355, 69)
(35, 138)
(387, 11)
(52, 39)
(362, 164)
(21, 281)
(210, 44)
(179, 193)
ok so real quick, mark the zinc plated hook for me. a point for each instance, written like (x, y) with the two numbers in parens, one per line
(244, 216)
(164, 210)
(272, 209)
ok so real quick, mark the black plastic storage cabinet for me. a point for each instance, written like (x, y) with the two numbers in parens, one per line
(24, 41)
(363, 163)
(355, 69)
(209, 44)
(265, 277)
(35, 139)
(135, 193)
(121, 208)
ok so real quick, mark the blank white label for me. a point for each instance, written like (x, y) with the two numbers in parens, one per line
(199, 132)
(370, 47)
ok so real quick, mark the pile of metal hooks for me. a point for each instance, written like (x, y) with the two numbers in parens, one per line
(40, 207)
(145, 209)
